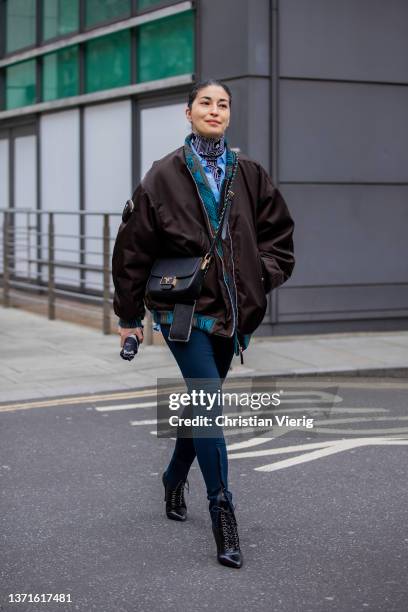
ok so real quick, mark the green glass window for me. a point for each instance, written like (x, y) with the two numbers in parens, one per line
(60, 74)
(144, 4)
(107, 61)
(102, 11)
(166, 47)
(60, 17)
(20, 24)
(20, 84)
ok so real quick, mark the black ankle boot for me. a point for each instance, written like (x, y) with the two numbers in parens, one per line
(176, 508)
(225, 530)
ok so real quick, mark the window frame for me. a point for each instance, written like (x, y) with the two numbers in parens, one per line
(36, 75)
(4, 54)
(101, 24)
(43, 80)
(48, 41)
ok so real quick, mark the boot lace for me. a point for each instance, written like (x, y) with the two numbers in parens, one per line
(229, 528)
(177, 494)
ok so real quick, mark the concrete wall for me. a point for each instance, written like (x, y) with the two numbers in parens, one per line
(321, 100)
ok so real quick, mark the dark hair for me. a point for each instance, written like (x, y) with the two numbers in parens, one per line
(198, 86)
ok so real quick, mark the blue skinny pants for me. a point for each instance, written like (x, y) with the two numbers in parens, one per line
(203, 356)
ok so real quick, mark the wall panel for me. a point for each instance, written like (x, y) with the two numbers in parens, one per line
(343, 132)
(59, 138)
(4, 173)
(163, 129)
(363, 41)
(107, 150)
(25, 196)
(349, 233)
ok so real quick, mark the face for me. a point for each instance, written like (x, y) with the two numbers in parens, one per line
(210, 112)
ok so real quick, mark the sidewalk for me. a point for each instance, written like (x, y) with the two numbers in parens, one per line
(41, 358)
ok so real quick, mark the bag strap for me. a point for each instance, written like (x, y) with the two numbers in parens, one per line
(208, 256)
(222, 222)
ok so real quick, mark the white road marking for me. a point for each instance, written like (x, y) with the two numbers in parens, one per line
(293, 448)
(323, 396)
(339, 410)
(125, 407)
(240, 370)
(353, 432)
(337, 447)
(323, 427)
(146, 422)
(280, 383)
(248, 443)
(362, 419)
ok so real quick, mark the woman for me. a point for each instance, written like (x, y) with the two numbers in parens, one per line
(176, 213)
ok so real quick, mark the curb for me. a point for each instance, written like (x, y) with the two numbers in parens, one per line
(400, 372)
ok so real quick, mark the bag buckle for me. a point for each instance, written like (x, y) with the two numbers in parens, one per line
(168, 281)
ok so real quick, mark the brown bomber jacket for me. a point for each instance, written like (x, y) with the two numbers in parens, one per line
(170, 219)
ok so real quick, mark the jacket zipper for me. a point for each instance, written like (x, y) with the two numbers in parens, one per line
(222, 262)
(241, 350)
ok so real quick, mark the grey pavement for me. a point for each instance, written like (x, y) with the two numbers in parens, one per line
(41, 358)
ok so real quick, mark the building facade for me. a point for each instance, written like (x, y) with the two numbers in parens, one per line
(93, 91)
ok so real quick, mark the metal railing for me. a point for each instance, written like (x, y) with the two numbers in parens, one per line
(38, 245)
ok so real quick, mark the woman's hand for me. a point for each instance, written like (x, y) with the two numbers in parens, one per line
(124, 332)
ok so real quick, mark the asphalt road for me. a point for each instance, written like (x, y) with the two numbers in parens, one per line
(322, 512)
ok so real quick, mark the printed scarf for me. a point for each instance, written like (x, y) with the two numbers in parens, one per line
(210, 149)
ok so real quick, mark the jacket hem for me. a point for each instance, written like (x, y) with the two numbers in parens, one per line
(203, 322)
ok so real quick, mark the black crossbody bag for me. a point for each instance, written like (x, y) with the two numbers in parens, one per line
(179, 280)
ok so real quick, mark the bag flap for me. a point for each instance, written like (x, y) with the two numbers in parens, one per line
(182, 267)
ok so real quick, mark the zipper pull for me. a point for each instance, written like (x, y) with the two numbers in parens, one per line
(206, 262)
(241, 354)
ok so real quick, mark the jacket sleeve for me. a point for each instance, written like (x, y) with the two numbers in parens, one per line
(135, 249)
(274, 234)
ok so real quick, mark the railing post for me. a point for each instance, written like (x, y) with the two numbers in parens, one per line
(106, 275)
(28, 245)
(6, 272)
(51, 271)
